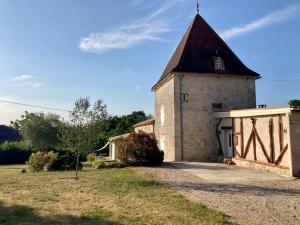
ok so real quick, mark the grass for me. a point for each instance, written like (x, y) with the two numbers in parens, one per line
(110, 196)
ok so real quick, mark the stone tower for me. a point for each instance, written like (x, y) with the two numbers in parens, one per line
(202, 76)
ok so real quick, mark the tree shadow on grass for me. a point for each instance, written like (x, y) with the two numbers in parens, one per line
(17, 214)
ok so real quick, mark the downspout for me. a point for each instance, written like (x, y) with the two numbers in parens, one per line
(220, 150)
(181, 115)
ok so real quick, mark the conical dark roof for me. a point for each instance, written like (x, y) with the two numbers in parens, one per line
(197, 50)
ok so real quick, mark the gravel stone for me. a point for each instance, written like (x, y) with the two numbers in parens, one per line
(248, 203)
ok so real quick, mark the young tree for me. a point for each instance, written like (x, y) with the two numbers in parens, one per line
(80, 134)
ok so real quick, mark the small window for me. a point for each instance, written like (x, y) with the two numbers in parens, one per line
(219, 63)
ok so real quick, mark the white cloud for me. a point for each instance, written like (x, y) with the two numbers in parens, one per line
(268, 20)
(149, 28)
(22, 78)
(27, 81)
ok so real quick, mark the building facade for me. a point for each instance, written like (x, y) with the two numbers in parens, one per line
(205, 110)
(203, 76)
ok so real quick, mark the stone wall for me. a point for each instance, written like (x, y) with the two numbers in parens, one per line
(165, 130)
(199, 124)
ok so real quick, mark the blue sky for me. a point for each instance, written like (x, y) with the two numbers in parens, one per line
(53, 52)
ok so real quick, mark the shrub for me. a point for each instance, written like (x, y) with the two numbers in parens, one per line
(15, 152)
(100, 164)
(294, 103)
(65, 162)
(36, 162)
(41, 160)
(140, 148)
(91, 157)
(51, 159)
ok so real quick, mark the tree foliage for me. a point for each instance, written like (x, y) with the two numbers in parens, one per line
(81, 133)
(294, 103)
(43, 130)
(126, 122)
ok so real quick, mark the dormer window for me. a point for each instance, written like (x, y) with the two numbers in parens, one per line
(219, 63)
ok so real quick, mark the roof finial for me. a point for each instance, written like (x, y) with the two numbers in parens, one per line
(197, 7)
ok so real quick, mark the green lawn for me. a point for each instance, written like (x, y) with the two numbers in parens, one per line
(112, 196)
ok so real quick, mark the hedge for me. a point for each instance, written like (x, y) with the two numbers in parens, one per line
(19, 152)
(15, 152)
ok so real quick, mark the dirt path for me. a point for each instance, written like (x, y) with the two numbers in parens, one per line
(248, 203)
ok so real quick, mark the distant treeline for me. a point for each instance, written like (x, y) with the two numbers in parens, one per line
(9, 134)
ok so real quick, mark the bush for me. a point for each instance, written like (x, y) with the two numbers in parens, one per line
(41, 160)
(51, 159)
(140, 148)
(65, 162)
(100, 164)
(15, 152)
(91, 157)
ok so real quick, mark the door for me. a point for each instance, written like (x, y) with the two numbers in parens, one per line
(228, 143)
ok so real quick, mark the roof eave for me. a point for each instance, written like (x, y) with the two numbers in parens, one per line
(162, 81)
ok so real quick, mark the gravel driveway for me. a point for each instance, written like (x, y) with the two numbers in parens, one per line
(256, 202)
